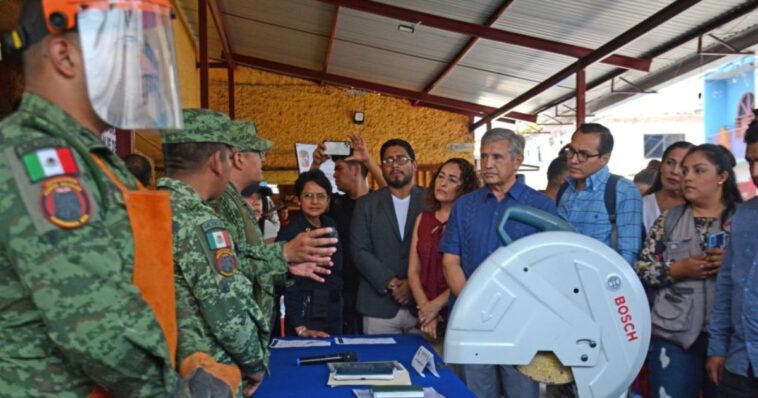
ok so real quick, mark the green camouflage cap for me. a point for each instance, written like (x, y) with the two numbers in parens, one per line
(245, 137)
(202, 125)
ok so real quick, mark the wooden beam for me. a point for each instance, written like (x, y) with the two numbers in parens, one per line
(635, 32)
(462, 53)
(462, 107)
(218, 18)
(474, 30)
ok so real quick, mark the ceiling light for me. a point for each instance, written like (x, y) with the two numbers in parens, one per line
(406, 28)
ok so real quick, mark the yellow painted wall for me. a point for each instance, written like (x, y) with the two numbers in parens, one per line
(186, 61)
(288, 110)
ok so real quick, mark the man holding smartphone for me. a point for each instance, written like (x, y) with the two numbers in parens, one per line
(733, 345)
(350, 177)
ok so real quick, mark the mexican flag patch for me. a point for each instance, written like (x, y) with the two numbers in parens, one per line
(48, 162)
(218, 239)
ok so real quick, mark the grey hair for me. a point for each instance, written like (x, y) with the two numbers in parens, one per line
(515, 141)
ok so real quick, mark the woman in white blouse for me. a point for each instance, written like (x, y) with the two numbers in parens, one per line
(666, 191)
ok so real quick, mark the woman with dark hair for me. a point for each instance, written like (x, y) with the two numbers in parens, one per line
(666, 191)
(257, 197)
(314, 309)
(452, 179)
(679, 263)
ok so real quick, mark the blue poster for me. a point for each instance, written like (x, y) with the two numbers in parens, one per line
(728, 104)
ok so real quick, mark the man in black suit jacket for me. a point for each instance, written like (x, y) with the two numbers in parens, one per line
(380, 236)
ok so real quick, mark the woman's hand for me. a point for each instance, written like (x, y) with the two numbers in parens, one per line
(430, 328)
(702, 266)
(428, 311)
(714, 257)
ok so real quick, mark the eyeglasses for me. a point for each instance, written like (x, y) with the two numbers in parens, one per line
(399, 160)
(582, 156)
(315, 197)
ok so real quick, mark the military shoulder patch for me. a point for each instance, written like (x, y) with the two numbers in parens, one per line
(226, 262)
(218, 239)
(46, 162)
(65, 202)
(220, 244)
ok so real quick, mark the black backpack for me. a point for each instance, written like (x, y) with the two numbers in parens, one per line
(610, 205)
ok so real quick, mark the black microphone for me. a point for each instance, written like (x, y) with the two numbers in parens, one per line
(336, 357)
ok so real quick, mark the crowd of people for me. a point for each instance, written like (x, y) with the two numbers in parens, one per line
(111, 289)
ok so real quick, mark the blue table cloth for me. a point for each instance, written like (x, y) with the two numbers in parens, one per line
(287, 379)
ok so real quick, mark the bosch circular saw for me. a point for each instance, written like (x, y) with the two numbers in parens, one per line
(558, 305)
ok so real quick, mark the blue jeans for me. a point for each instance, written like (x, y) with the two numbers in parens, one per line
(678, 373)
(486, 381)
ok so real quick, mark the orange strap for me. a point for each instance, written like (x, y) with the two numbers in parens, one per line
(150, 220)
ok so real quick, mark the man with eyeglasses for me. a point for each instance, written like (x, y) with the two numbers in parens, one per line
(380, 236)
(306, 255)
(582, 199)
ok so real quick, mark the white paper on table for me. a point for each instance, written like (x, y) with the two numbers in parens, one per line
(424, 359)
(279, 343)
(364, 340)
(429, 392)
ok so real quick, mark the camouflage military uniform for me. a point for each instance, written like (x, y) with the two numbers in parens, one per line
(215, 309)
(265, 262)
(71, 317)
(267, 265)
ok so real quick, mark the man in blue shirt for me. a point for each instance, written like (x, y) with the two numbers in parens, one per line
(583, 201)
(471, 236)
(733, 329)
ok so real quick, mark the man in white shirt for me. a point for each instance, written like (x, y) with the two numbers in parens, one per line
(380, 236)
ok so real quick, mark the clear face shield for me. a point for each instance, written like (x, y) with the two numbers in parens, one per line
(128, 50)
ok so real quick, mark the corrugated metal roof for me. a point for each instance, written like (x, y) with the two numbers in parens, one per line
(370, 47)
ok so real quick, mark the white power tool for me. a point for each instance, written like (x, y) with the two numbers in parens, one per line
(553, 292)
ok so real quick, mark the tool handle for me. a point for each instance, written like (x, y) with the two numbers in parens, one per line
(536, 218)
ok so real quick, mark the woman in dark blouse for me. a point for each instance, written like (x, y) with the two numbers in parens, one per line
(679, 268)
(314, 309)
(452, 179)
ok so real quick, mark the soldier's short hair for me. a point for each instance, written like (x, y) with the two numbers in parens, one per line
(190, 156)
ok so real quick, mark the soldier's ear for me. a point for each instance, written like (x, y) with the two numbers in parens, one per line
(215, 162)
(65, 57)
(238, 160)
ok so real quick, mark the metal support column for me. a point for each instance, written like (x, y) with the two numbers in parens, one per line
(581, 90)
(230, 88)
(202, 15)
(124, 142)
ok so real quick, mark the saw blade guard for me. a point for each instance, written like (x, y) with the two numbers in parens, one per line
(559, 292)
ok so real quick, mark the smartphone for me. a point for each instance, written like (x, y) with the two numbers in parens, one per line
(338, 148)
(715, 240)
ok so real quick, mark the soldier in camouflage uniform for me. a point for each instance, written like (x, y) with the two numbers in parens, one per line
(268, 262)
(215, 307)
(72, 318)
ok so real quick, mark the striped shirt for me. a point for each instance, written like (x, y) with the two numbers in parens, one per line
(585, 210)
